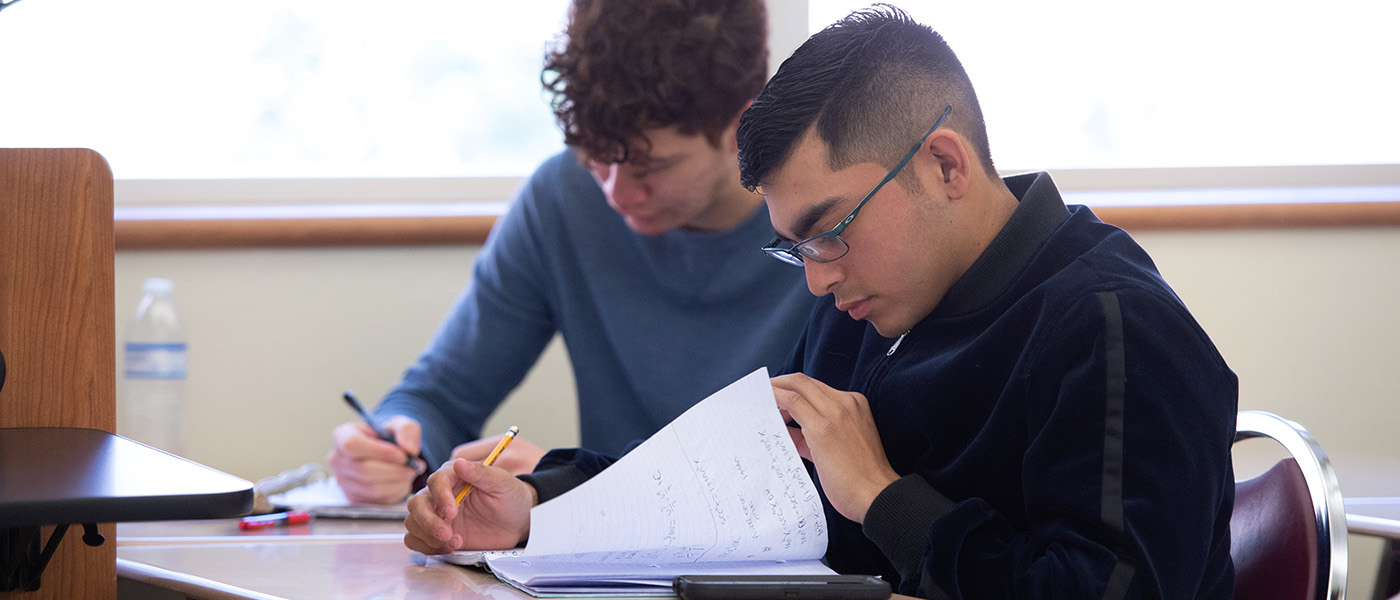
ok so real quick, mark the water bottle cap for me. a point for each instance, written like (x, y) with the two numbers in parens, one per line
(159, 285)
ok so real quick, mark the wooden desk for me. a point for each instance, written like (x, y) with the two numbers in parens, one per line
(353, 569)
(226, 531)
(327, 558)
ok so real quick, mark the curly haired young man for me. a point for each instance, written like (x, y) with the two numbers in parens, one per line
(637, 244)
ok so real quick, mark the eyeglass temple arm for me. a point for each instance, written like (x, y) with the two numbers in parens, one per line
(897, 167)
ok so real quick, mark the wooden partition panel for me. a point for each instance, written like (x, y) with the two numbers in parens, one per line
(57, 324)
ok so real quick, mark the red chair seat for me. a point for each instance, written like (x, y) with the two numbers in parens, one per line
(1274, 536)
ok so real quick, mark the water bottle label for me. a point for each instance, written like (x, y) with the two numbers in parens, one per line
(156, 361)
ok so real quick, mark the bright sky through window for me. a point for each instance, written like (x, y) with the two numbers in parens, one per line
(1093, 84)
(173, 89)
(277, 89)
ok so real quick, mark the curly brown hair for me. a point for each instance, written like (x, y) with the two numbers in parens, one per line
(624, 66)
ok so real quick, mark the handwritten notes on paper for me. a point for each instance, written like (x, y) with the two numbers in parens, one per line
(722, 483)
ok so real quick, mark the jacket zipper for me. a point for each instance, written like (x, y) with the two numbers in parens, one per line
(896, 344)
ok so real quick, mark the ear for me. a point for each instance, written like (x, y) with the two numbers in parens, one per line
(952, 161)
(730, 139)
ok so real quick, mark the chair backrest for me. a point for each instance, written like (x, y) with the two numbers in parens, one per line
(58, 322)
(1288, 531)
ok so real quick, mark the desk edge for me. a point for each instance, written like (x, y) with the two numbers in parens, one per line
(189, 585)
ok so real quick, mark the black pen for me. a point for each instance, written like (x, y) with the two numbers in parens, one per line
(412, 460)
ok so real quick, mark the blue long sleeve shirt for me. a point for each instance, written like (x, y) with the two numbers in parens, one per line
(653, 324)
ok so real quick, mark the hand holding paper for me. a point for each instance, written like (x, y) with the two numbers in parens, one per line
(838, 435)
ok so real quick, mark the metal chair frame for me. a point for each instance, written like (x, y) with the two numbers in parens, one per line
(1328, 510)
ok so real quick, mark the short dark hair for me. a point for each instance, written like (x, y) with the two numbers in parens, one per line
(624, 66)
(870, 84)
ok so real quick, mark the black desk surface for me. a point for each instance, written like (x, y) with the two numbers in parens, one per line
(61, 475)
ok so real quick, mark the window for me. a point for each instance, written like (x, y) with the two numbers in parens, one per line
(307, 102)
(172, 89)
(1098, 84)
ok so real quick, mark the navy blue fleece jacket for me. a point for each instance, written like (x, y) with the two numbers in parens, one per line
(1061, 424)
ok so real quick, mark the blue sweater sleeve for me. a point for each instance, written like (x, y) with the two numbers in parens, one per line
(1119, 486)
(493, 335)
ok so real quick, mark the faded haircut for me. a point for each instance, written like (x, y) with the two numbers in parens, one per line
(868, 85)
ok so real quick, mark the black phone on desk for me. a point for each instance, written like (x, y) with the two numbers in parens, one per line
(780, 587)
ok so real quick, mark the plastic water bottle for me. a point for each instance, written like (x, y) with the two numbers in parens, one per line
(153, 409)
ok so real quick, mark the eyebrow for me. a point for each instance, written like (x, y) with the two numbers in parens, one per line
(809, 217)
(669, 158)
(650, 163)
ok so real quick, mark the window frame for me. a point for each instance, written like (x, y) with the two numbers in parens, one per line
(283, 213)
(183, 214)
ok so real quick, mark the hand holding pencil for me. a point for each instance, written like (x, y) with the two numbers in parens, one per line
(412, 459)
(470, 505)
(376, 462)
(491, 458)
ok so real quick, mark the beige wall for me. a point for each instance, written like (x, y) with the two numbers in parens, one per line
(277, 335)
(1306, 317)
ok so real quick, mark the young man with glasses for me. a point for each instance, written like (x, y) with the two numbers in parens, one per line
(637, 244)
(1003, 398)
(1021, 406)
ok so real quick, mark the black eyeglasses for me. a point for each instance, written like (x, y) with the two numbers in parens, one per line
(826, 247)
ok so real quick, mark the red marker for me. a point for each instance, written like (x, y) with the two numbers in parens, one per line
(295, 517)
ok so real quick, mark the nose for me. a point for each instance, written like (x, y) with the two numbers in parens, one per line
(623, 190)
(821, 277)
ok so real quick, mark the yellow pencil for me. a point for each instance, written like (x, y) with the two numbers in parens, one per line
(491, 458)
